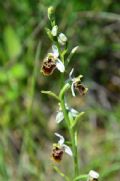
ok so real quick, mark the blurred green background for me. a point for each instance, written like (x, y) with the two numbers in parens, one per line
(27, 118)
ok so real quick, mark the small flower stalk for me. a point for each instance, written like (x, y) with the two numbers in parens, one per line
(60, 114)
(59, 59)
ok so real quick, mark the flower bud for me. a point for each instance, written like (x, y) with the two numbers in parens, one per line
(93, 176)
(54, 30)
(80, 88)
(62, 39)
(51, 12)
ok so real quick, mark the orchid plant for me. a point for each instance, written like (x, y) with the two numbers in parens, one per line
(59, 59)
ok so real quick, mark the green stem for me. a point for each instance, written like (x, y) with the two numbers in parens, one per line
(72, 133)
(67, 120)
(74, 145)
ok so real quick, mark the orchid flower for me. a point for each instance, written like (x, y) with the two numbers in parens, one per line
(93, 175)
(52, 61)
(61, 144)
(60, 115)
(59, 65)
(76, 84)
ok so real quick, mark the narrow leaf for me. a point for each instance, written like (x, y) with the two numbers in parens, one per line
(77, 118)
(51, 94)
(73, 51)
(61, 173)
(81, 177)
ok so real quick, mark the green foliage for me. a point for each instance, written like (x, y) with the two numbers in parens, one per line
(12, 42)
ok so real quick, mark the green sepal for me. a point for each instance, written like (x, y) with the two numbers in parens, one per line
(50, 93)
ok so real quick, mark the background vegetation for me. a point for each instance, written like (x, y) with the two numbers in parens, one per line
(27, 118)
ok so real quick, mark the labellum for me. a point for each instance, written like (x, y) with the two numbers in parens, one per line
(48, 65)
(80, 88)
(95, 179)
(57, 153)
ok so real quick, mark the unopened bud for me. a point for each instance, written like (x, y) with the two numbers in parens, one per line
(93, 176)
(54, 30)
(51, 12)
(62, 39)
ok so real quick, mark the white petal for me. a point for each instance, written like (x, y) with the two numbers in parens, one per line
(61, 141)
(60, 66)
(72, 89)
(93, 174)
(67, 149)
(54, 30)
(55, 51)
(74, 112)
(59, 117)
(62, 39)
(70, 74)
